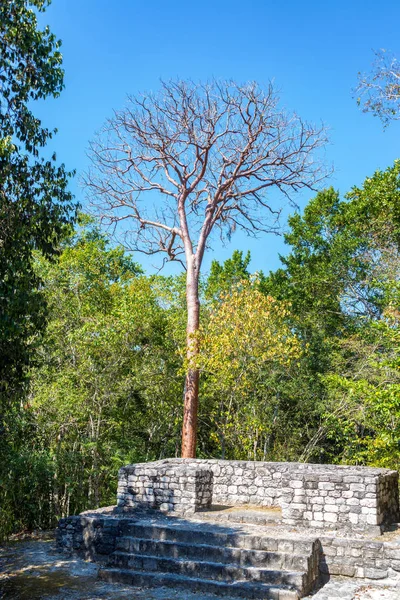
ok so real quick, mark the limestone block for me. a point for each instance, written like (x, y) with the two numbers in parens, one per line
(330, 517)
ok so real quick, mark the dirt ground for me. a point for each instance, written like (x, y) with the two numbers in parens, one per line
(33, 569)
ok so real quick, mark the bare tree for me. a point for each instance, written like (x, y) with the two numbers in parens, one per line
(191, 160)
(379, 91)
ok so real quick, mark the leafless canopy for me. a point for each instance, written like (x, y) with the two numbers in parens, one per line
(379, 91)
(196, 158)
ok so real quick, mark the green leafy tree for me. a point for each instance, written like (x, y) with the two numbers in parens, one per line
(105, 391)
(224, 276)
(361, 423)
(336, 249)
(246, 347)
(341, 278)
(35, 205)
(35, 209)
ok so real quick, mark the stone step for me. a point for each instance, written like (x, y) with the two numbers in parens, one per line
(239, 556)
(243, 589)
(254, 517)
(219, 536)
(205, 569)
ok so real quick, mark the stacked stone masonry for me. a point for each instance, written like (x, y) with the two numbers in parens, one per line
(149, 549)
(169, 487)
(96, 538)
(320, 496)
(359, 557)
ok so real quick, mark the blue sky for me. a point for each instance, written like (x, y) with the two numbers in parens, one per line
(312, 49)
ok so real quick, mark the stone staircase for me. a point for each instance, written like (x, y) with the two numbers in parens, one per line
(213, 559)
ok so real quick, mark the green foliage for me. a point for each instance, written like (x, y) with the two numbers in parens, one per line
(26, 474)
(223, 277)
(312, 277)
(104, 363)
(35, 205)
(342, 277)
(362, 420)
(246, 344)
(104, 388)
(36, 209)
(300, 365)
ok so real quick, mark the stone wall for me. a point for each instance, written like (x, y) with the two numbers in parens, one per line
(92, 538)
(322, 496)
(339, 497)
(170, 487)
(359, 557)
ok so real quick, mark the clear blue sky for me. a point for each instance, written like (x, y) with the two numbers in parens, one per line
(312, 49)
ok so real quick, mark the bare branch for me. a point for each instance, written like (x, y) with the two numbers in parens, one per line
(199, 157)
(379, 91)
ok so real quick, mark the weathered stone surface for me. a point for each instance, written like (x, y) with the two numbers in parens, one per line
(100, 538)
(322, 496)
(171, 487)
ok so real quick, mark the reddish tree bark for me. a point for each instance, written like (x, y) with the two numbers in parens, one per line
(190, 409)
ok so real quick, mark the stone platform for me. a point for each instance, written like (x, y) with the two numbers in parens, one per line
(228, 558)
(242, 529)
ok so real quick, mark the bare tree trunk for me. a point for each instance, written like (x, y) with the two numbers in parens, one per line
(189, 429)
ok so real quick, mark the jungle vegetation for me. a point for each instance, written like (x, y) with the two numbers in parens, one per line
(302, 363)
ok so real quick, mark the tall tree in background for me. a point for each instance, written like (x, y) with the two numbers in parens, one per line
(105, 373)
(379, 91)
(341, 277)
(193, 160)
(224, 276)
(35, 205)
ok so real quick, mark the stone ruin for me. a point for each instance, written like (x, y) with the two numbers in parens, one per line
(241, 528)
(322, 496)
